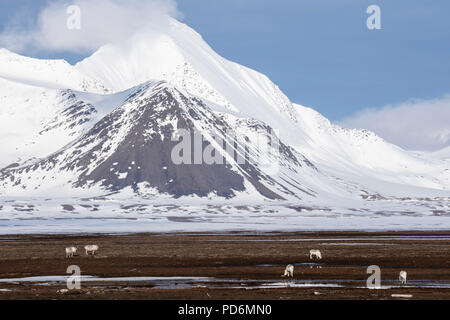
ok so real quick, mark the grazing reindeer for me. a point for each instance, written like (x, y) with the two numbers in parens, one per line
(70, 252)
(402, 277)
(315, 254)
(91, 249)
(289, 271)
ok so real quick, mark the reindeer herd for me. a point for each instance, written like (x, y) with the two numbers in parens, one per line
(316, 254)
(288, 272)
(90, 249)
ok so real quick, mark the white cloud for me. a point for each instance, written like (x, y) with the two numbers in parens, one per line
(102, 22)
(413, 125)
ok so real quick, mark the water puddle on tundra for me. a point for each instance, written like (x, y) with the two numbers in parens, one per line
(173, 283)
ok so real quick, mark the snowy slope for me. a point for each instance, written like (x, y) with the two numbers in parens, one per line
(29, 121)
(360, 155)
(37, 121)
(45, 73)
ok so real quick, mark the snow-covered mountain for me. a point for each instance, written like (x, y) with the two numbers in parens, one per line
(106, 125)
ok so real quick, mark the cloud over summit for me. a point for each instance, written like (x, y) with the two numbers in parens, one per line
(102, 22)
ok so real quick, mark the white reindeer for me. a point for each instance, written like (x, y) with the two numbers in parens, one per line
(315, 254)
(402, 277)
(91, 249)
(70, 252)
(289, 271)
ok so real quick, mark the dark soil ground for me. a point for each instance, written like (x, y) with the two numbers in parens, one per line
(238, 257)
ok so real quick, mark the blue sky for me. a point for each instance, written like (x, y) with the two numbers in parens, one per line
(320, 52)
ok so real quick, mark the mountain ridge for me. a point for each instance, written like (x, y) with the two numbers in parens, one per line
(317, 158)
(142, 128)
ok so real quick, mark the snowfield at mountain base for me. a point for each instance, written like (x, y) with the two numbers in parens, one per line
(112, 216)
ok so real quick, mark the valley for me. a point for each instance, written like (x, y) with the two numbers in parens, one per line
(230, 266)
